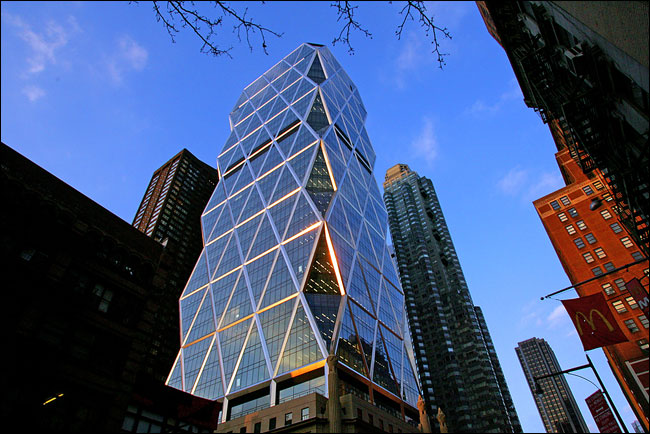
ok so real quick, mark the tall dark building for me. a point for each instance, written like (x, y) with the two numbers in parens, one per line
(583, 66)
(82, 289)
(556, 405)
(293, 317)
(459, 369)
(170, 213)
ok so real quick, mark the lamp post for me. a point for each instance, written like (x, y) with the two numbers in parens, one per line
(540, 391)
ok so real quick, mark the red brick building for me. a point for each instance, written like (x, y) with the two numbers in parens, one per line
(592, 243)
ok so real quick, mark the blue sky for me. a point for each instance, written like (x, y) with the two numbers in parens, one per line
(97, 94)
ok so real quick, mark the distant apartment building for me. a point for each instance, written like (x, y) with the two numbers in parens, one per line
(555, 402)
(584, 225)
(458, 365)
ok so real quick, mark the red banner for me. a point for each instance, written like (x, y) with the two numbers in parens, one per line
(639, 293)
(594, 321)
(602, 413)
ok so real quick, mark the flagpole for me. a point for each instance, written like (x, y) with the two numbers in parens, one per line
(618, 416)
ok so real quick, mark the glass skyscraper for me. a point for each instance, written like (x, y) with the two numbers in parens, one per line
(295, 264)
(459, 368)
(556, 405)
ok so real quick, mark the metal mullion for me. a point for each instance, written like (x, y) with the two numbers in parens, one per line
(286, 338)
(184, 338)
(241, 354)
(205, 359)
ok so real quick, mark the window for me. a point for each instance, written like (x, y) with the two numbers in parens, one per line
(621, 284)
(632, 302)
(631, 325)
(644, 321)
(627, 242)
(598, 185)
(573, 212)
(288, 419)
(637, 255)
(242, 429)
(257, 427)
(304, 413)
(581, 225)
(371, 419)
(600, 252)
(607, 287)
(562, 217)
(597, 271)
(590, 238)
(555, 205)
(587, 190)
(616, 228)
(588, 257)
(579, 243)
(609, 266)
(359, 413)
(565, 200)
(104, 295)
(570, 229)
(271, 423)
(619, 306)
(606, 214)
(607, 197)
(643, 343)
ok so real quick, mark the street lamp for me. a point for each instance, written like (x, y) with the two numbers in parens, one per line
(540, 391)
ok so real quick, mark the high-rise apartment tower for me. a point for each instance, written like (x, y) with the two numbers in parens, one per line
(295, 265)
(459, 369)
(556, 405)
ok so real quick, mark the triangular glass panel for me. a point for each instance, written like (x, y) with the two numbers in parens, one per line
(357, 288)
(344, 255)
(304, 87)
(276, 123)
(199, 275)
(349, 349)
(280, 284)
(332, 104)
(209, 385)
(267, 183)
(255, 86)
(242, 98)
(324, 308)
(256, 161)
(286, 184)
(175, 379)
(302, 347)
(193, 357)
(241, 113)
(208, 221)
(218, 196)
(411, 390)
(253, 205)
(250, 141)
(322, 274)
(232, 341)
(260, 98)
(247, 231)
(264, 240)
(306, 51)
(389, 271)
(354, 221)
(381, 373)
(188, 309)
(291, 58)
(258, 273)
(275, 322)
(346, 190)
(386, 314)
(304, 139)
(378, 244)
(285, 143)
(316, 72)
(252, 368)
(301, 163)
(366, 326)
(299, 252)
(336, 218)
(272, 160)
(280, 213)
(291, 87)
(372, 279)
(303, 104)
(277, 70)
(221, 290)
(238, 201)
(214, 252)
(317, 118)
(303, 217)
(338, 169)
(203, 323)
(239, 305)
(289, 120)
(397, 302)
(319, 185)
(332, 145)
(394, 348)
(231, 258)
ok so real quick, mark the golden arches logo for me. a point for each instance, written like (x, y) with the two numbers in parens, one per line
(590, 321)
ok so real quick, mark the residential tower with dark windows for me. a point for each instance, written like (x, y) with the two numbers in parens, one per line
(459, 369)
(295, 266)
(554, 400)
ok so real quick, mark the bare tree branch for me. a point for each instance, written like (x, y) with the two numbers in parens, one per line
(345, 12)
(206, 28)
(427, 24)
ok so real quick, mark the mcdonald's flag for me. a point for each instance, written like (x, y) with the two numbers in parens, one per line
(594, 321)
